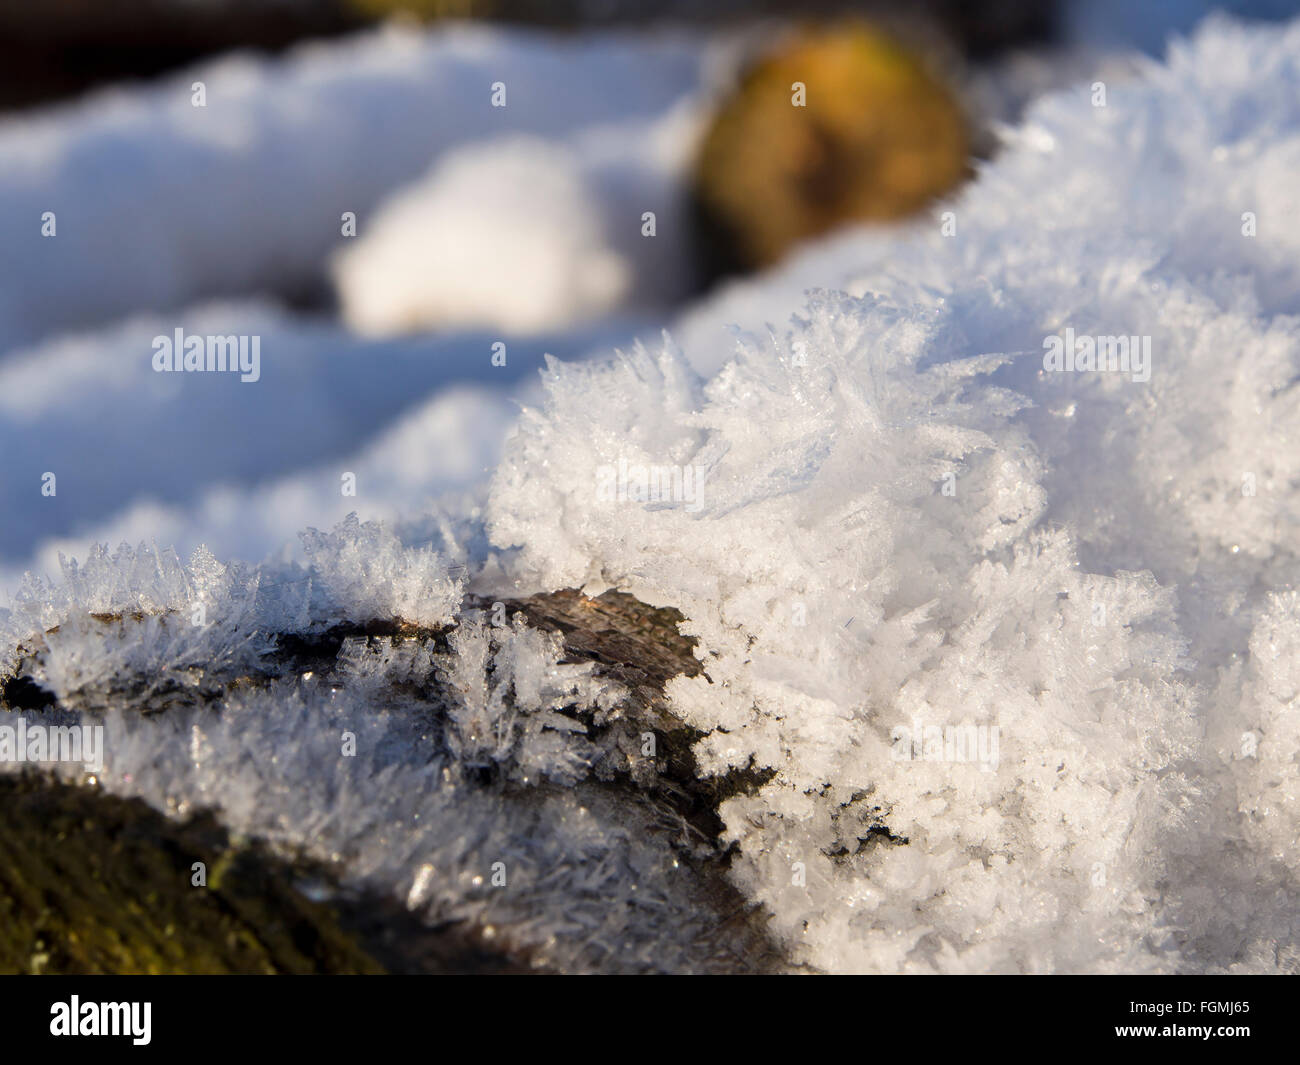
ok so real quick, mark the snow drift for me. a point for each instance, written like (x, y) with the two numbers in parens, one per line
(278, 152)
(904, 535)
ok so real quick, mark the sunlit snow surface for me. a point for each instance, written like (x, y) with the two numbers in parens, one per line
(904, 522)
(276, 156)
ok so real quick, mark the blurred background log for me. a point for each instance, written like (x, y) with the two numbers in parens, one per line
(52, 49)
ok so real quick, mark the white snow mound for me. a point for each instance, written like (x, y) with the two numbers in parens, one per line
(1017, 645)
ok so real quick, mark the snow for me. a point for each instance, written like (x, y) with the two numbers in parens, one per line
(1015, 649)
(510, 689)
(247, 193)
(140, 455)
(244, 198)
(1091, 587)
(557, 225)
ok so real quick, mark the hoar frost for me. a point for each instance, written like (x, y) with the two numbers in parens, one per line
(838, 594)
(900, 530)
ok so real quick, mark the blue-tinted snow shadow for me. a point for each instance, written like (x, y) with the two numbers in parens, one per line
(94, 412)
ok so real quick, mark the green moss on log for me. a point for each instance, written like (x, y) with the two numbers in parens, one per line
(92, 883)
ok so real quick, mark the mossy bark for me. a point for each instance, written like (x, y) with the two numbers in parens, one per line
(93, 883)
(90, 882)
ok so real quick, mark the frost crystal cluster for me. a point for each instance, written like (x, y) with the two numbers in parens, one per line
(1018, 645)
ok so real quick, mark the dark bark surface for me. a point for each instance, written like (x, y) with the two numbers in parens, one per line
(90, 882)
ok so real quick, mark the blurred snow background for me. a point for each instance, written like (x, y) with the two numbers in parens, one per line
(162, 208)
(475, 225)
